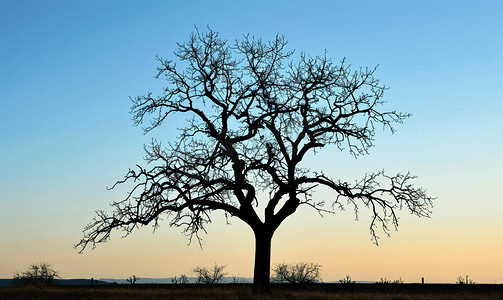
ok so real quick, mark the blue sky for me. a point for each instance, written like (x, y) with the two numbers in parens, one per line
(68, 68)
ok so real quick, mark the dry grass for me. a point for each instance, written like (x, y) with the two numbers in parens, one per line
(224, 292)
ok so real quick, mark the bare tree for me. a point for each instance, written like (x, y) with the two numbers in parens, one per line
(386, 281)
(36, 273)
(133, 279)
(300, 273)
(182, 280)
(253, 116)
(347, 280)
(210, 276)
(462, 280)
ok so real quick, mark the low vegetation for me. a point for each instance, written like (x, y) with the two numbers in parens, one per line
(347, 280)
(41, 273)
(291, 281)
(300, 273)
(462, 280)
(242, 291)
(133, 279)
(210, 275)
(386, 281)
(181, 280)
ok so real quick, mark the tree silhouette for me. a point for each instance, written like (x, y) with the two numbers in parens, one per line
(210, 275)
(36, 274)
(300, 273)
(133, 279)
(253, 115)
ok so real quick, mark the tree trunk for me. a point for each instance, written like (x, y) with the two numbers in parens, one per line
(262, 270)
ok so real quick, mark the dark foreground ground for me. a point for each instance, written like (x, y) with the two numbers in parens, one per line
(243, 291)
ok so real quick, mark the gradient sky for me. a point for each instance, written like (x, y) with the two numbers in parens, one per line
(67, 69)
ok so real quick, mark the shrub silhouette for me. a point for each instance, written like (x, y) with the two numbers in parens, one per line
(346, 280)
(210, 276)
(300, 273)
(462, 280)
(386, 281)
(42, 273)
(133, 279)
(182, 280)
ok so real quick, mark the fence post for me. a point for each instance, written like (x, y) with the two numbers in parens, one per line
(92, 280)
(422, 280)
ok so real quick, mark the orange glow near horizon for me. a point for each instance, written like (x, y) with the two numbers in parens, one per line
(421, 248)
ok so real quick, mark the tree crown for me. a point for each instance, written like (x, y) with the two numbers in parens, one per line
(252, 116)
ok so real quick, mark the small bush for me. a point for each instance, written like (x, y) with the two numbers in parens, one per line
(346, 280)
(210, 276)
(182, 280)
(300, 273)
(386, 281)
(462, 280)
(383, 281)
(133, 279)
(42, 273)
(398, 281)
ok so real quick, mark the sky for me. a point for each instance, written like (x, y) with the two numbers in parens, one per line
(68, 68)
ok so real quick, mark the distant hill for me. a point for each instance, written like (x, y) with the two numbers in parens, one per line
(8, 282)
(80, 281)
(5, 282)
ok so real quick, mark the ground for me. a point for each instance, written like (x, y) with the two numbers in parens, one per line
(242, 291)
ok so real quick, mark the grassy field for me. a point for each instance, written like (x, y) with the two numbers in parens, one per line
(242, 291)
